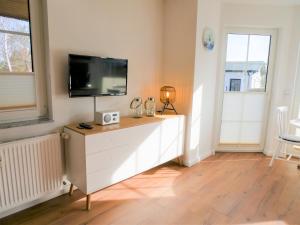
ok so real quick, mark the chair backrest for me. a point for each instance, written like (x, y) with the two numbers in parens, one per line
(282, 120)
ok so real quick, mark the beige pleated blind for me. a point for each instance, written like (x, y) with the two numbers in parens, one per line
(17, 9)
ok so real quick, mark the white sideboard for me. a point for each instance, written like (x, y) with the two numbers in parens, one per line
(106, 155)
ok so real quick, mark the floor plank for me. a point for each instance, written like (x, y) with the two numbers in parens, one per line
(228, 188)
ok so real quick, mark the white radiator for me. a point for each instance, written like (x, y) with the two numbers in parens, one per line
(29, 169)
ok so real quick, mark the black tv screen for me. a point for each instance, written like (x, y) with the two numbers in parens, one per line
(95, 76)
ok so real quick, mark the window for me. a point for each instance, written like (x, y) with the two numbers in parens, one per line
(15, 45)
(22, 65)
(247, 59)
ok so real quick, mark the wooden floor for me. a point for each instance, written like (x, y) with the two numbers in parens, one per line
(229, 188)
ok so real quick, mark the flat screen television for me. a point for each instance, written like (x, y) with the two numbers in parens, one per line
(96, 76)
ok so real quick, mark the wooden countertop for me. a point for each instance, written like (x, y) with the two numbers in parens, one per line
(125, 122)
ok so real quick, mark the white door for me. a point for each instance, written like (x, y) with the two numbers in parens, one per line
(245, 89)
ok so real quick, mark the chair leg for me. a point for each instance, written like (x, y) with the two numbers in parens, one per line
(275, 154)
(284, 149)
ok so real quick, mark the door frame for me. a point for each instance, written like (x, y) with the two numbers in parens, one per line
(220, 87)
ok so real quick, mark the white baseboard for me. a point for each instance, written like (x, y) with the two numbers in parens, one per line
(208, 154)
(268, 152)
(239, 151)
(27, 205)
(191, 163)
(194, 161)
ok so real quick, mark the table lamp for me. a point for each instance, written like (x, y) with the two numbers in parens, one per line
(168, 97)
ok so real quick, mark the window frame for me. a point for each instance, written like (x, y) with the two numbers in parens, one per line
(40, 109)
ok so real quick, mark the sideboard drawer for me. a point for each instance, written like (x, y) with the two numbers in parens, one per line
(128, 136)
(103, 141)
(99, 142)
(98, 161)
(98, 180)
(112, 174)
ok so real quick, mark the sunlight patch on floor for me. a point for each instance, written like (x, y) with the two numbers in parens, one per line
(161, 186)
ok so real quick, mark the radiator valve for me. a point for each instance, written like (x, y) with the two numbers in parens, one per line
(65, 136)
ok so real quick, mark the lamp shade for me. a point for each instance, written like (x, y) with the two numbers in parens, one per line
(167, 94)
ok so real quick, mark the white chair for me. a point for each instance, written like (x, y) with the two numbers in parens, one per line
(284, 138)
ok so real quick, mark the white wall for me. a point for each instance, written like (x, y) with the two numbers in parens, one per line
(129, 29)
(201, 119)
(271, 17)
(179, 49)
(296, 59)
(191, 69)
(180, 23)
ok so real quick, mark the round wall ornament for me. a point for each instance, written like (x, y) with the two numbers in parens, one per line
(208, 38)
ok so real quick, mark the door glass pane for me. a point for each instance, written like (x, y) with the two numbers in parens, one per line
(259, 46)
(236, 58)
(258, 59)
(237, 46)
